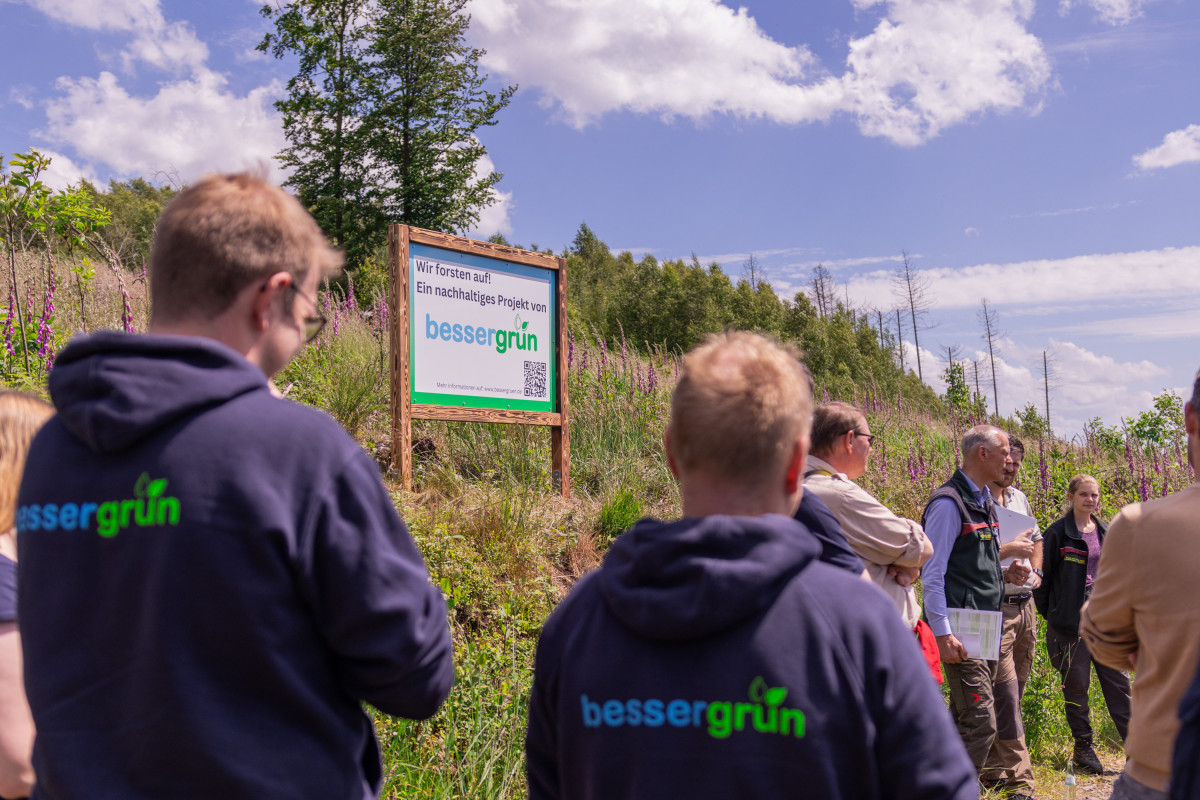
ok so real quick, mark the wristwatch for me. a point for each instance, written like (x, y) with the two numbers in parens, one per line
(1039, 573)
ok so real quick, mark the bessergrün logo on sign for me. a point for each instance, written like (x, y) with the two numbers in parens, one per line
(502, 340)
(150, 507)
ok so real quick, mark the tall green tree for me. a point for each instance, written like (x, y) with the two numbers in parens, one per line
(325, 115)
(431, 105)
(381, 116)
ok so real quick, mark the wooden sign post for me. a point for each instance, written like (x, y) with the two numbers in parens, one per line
(478, 334)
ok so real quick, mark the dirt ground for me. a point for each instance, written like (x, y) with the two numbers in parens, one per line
(1050, 778)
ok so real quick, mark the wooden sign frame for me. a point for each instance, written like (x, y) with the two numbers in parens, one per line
(404, 411)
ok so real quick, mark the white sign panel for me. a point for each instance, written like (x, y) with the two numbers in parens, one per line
(482, 331)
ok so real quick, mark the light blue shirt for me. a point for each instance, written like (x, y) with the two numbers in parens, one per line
(943, 524)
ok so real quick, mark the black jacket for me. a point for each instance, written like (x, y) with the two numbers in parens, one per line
(210, 581)
(1061, 594)
(715, 657)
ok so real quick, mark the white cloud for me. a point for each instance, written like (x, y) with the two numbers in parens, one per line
(64, 172)
(169, 46)
(1055, 282)
(674, 57)
(191, 126)
(1178, 147)
(930, 65)
(22, 96)
(927, 65)
(496, 217)
(1114, 12)
(971, 232)
(1159, 325)
(1100, 385)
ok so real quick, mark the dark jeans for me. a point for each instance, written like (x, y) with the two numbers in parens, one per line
(1070, 656)
(972, 705)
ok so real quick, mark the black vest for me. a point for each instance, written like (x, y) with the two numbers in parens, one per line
(974, 578)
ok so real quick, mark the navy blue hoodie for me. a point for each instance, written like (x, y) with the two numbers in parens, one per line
(716, 657)
(211, 579)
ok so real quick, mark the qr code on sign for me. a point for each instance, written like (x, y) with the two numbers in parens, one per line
(535, 379)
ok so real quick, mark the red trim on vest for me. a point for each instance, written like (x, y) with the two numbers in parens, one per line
(970, 527)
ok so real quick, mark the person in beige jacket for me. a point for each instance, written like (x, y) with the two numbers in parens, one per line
(1144, 614)
(892, 548)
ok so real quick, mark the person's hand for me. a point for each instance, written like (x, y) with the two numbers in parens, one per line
(1034, 581)
(904, 576)
(1020, 547)
(1017, 573)
(950, 649)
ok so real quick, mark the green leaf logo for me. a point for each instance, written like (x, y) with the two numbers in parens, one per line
(777, 695)
(156, 488)
(524, 325)
(758, 689)
(139, 488)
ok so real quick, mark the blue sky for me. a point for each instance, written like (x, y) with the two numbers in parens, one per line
(1044, 155)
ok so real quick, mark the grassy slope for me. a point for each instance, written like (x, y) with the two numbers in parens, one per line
(505, 548)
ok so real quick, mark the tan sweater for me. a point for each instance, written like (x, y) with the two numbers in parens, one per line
(1146, 600)
(874, 533)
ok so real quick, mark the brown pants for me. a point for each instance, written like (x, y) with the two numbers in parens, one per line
(971, 703)
(1009, 757)
(1071, 657)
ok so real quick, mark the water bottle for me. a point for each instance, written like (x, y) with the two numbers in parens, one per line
(1069, 794)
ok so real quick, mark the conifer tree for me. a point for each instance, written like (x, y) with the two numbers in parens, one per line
(381, 116)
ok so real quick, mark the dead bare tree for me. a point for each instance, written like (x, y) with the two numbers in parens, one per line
(751, 270)
(823, 289)
(1049, 377)
(987, 318)
(912, 289)
(900, 339)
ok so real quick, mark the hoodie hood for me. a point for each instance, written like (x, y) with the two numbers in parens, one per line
(115, 389)
(694, 577)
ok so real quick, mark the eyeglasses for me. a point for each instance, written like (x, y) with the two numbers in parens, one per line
(868, 436)
(312, 325)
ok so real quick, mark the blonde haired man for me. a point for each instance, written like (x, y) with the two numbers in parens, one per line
(715, 656)
(226, 567)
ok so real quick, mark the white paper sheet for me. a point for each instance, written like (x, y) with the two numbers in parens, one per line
(979, 631)
(1012, 525)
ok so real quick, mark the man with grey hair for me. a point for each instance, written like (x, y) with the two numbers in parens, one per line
(715, 655)
(965, 572)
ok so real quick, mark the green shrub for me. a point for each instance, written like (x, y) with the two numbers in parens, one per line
(619, 513)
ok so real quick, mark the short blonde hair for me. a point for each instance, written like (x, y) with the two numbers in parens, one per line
(741, 402)
(223, 234)
(21, 416)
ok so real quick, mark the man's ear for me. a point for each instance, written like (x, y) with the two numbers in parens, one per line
(795, 465)
(1191, 418)
(671, 465)
(266, 296)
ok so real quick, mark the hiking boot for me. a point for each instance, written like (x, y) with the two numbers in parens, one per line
(1086, 760)
(993, 783)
